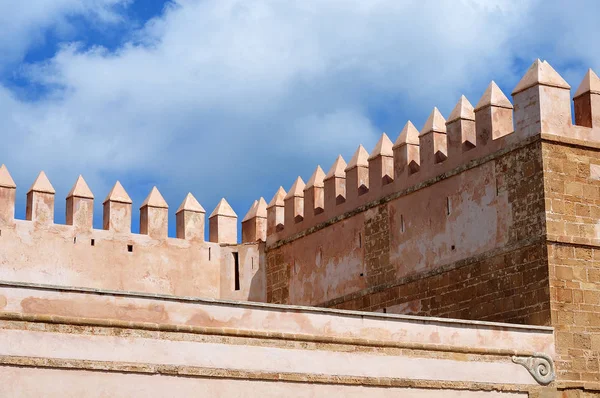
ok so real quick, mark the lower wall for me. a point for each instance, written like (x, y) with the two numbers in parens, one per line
(502, 287)
(26, 382)
(56, 342)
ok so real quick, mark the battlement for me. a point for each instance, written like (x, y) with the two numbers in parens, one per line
(417, 158)
(37, 250)
(190, 220)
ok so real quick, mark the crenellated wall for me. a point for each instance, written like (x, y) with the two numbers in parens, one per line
(460, 188)
(37, 250)
(491, 215)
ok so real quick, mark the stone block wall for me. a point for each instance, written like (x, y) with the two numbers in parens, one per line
(572, 189)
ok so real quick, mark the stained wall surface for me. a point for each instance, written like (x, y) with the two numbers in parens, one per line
(460, 247)
(60, 255)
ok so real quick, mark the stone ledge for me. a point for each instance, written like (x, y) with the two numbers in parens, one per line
(193, 371)
(254, 334)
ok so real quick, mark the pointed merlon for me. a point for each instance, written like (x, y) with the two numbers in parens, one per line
(540, 73)
(155, 199)
(258, 209)
(278, 198)
(589, 84)
(384, 147)
(462, 110)
(337, 170)
(435, 123)
(118, 194)
(80, 190)
(297, 189)
(223, 209)
(190, 204)
(261, 208)
(493, 96)
(359, 159)
(42, 184)
(316, 180)
(408, 135)
(6, 180)
(251, 212)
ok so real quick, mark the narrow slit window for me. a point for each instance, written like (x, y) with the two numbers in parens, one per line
(359, 240)
(74, 239)
(402, 223)
(448, 206)
(236, 270)
(209, 254)
(92, 242)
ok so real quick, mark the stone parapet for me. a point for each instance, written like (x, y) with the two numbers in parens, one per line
(542, 106)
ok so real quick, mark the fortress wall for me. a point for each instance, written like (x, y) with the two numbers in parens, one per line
(464, 195)
(543, 269)
(37, 250)
(404, 255)
(459, 230)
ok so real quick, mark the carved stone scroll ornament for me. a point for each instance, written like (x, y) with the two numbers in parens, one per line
(539, 365)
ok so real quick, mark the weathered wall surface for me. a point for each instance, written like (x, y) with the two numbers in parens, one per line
(57, 254)
(461, 247)
(71, 341)
(573, 211)
(509, 287)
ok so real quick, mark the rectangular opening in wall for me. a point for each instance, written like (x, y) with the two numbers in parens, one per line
(130, 248)
(448, 206)
(92, 242)
(236, 270)
(402, 223)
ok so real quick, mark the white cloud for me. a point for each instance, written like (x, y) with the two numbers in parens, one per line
(235, 97)
(26, 23)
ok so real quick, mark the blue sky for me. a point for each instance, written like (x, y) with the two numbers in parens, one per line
(233, 98)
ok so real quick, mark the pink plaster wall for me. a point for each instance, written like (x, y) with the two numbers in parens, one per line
(257, 317)
(59, 255)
